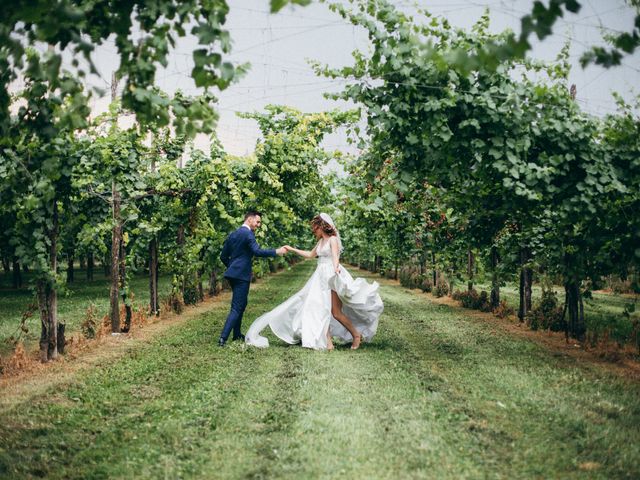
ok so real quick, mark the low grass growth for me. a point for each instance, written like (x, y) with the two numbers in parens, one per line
(604, 312)
(72, 305)
(436, 395)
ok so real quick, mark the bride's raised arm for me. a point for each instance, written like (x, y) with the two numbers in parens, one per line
(303, 253)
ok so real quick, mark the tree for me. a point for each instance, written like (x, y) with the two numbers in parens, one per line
(540, 22)
(509, 154)
(78, 26)
(144, 34)
(36, 163)
(286, 178)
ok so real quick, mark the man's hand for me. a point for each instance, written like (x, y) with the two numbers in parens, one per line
(281, 251)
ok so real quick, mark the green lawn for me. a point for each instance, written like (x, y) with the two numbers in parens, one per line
(436, 395)
(72, 305)
(609, 302)
(602, 312)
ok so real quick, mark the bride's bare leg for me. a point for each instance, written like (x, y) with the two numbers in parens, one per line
(336, 311)
(329, 340)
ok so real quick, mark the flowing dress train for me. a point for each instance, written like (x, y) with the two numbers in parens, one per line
(306, 316)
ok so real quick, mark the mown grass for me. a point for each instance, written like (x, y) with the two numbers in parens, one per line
(72, 304)
(436, 395)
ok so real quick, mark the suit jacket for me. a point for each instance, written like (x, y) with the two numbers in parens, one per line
(238, 251)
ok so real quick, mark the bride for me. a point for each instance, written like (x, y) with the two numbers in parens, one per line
(331, 304)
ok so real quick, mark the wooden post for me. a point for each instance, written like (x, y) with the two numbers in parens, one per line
(17, 276)
(90, 265)
(470, 269)
(114, 86)
(48, 297)
(116, 238)
(154, 306)
(123, 283)
(6, 266)
(526, 279)
(213, 280)
(70, 267)
(495, 280)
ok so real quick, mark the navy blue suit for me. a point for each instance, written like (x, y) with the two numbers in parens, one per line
(237, 255)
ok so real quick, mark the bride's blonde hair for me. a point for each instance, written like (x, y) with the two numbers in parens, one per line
(318, 222)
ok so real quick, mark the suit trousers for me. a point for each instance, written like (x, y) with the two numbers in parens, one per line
(240, 289)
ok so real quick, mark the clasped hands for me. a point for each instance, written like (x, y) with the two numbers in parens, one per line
(284, 250)
(289, 249)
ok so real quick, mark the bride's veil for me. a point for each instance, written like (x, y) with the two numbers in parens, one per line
(327, 218)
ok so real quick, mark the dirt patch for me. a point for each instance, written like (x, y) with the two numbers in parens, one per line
(615, 361)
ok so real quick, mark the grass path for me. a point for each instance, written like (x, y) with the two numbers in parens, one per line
(436, 395)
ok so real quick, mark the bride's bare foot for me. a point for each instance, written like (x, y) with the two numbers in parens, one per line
(329, 341)
(356, 342)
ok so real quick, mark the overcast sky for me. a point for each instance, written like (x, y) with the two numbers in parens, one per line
(277, 46)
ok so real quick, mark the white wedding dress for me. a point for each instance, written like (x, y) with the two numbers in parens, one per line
(306, 316)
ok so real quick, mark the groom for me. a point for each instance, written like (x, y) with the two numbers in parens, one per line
(237, 254)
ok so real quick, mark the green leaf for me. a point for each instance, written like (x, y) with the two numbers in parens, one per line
(495, 153)
(572, 5)
(277, 5)
(206, 33)
(53, 67)
(227, 71)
